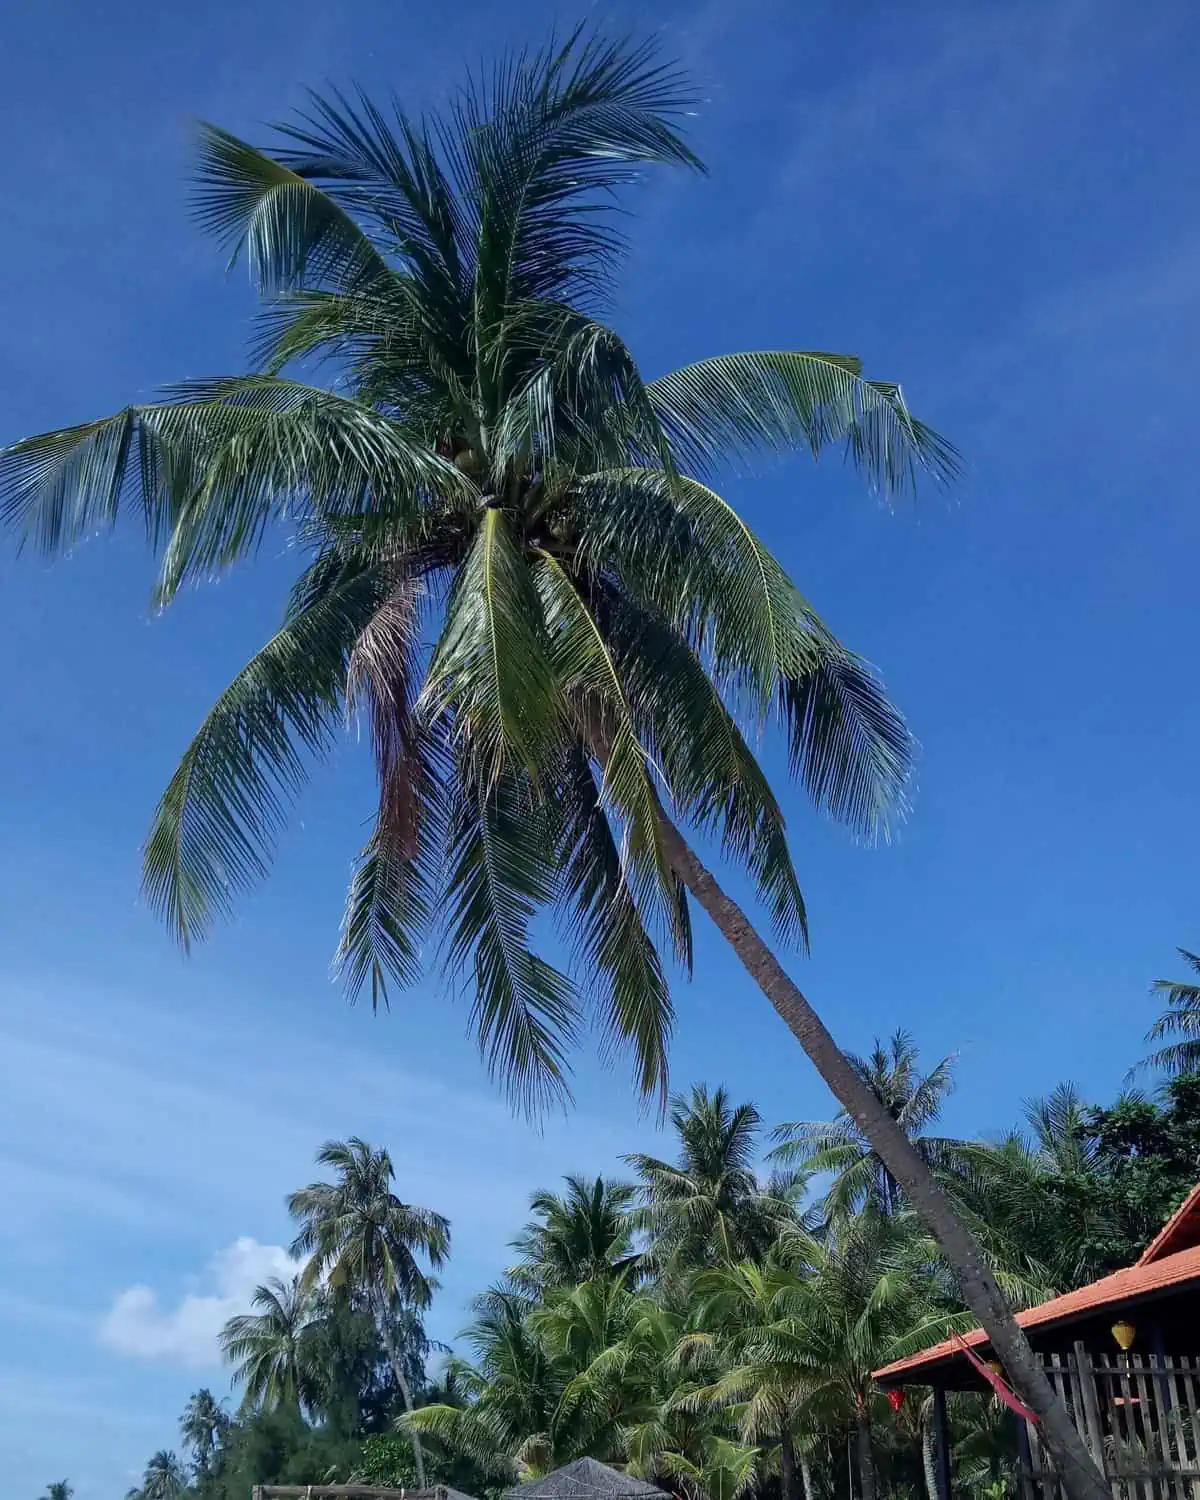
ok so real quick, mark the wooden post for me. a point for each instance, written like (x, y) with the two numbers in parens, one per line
(941, 1432)
(1093, 1429)
(1024, 1460)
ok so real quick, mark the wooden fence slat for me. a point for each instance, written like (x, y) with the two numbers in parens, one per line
(1088, 1405)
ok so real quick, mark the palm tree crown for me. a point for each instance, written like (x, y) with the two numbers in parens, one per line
(709, 1204)
(272, 1349)
(165, 1478)
(1181, 1019)
(518, 570)
(356, 1232)
(584, 1233)
(203, 1425)
(912, 1098)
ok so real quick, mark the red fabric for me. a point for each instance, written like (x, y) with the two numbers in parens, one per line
(1000, 1387)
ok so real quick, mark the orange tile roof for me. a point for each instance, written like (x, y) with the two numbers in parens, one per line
(1180, 1232)
(1122, 1286)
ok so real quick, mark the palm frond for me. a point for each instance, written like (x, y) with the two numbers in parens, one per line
(737, 406)
(491, 669)
(589, 676)
(846, 741)
(215, 827)
(547, 143)
(292, 233)
(502, 871)
(617, 956)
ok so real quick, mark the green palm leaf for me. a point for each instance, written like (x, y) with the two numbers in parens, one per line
(291, 232)
(491, 668)
(737, 406)
(501, 871)
(215, 827)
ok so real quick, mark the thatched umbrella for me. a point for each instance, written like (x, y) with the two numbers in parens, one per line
(585, 1479)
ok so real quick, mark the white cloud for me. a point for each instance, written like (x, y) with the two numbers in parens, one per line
(139, 1326)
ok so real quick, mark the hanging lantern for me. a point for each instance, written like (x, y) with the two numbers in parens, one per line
(1124, 1333)
(895, 1399)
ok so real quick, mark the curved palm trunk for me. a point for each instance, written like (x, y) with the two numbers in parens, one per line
(389, 1345)
(1080, 1477)
(866, 1459)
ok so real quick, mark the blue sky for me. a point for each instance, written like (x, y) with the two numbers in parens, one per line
(992, 204)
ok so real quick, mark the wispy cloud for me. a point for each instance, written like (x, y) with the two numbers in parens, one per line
(186, 1334)
(958, 101)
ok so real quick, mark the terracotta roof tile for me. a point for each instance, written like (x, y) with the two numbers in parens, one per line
(1180, 1232)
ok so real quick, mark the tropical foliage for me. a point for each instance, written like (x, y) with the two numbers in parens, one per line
(703, 1324)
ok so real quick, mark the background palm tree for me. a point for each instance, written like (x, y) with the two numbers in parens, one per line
(366, 1242)
(1181, 1019)
(59, 1489)
(203, 1424)
(579, 1235)
(709, 1205)
(272, 1349)
(748, 1333)
(912, 1098)
(165, 1478)
(494, 475)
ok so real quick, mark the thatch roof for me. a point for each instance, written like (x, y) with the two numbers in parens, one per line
(585, 1479)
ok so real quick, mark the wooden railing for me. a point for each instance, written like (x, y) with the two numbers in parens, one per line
(1140, 1417)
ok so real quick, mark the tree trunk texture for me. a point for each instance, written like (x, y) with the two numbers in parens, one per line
(1080, 1477)
(787, 1467)
(928, 1457)
(401, 1379)
(866, 1459)
(806, 1478)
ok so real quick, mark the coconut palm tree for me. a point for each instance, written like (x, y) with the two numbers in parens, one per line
(725, 1471)
(747, 1330)
(504, 1417)
(869, 1296)
(580, 1235)
(271, 1350)
(709, 1206)
(59, 1489)
(165, 1478)
(203, 1426)
(367, 1242)
(912, 1098)
(519, 571)
(1180, 1020)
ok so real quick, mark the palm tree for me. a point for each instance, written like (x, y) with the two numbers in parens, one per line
(358, 1234)
(709, 1204)
(272, 1349)
(203, 1426)
(493, 476)
(840, 1147)
(580, 1235)
(747, 1329)
(165, 1478)
(1181, 1019)
(59, 1489)
(510, 1393)
(725, 1471)
(871, 1296)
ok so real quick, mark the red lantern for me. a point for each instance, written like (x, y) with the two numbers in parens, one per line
(895, 1399)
